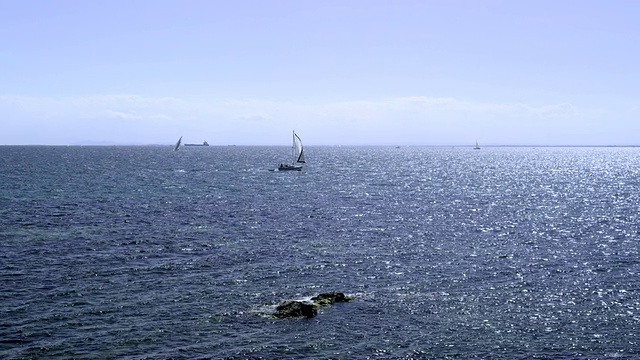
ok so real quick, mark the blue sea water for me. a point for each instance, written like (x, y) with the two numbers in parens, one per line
(144, 253)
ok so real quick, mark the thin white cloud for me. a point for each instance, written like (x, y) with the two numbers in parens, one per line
(134, 116)
(415, 120)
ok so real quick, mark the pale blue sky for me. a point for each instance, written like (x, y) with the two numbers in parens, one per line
(338, 72)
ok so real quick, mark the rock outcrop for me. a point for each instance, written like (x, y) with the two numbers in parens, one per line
(296, 308)
(293, 308)
(330, 298)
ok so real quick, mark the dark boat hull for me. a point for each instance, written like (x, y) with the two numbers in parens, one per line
(289, 168)
(204, 143)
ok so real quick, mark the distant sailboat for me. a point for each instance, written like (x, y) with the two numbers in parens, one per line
(477, 147)
(177, 146)
(297, 154)
(204, 143)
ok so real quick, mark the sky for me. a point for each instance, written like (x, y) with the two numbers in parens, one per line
(338, 72)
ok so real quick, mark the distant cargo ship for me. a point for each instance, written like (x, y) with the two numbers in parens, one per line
(204, 143)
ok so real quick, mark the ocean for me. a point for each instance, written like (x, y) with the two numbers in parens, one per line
(139, 252)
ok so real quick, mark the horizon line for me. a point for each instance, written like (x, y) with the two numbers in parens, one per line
(338, 145)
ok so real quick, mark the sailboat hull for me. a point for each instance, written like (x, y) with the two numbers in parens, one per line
(287, 167)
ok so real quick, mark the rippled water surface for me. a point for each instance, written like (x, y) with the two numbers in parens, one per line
(141, 252)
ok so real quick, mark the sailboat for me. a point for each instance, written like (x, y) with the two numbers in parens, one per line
(177, 146)
(297, 155)
(477, 147)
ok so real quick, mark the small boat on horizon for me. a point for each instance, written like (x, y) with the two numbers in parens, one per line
(477, 147)
(204, 143)
(297, 153)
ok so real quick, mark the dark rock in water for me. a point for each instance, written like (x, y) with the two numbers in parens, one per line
(293, 308)
(330, 298)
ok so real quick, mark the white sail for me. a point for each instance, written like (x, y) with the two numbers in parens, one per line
(177, 146)
(297, 144)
